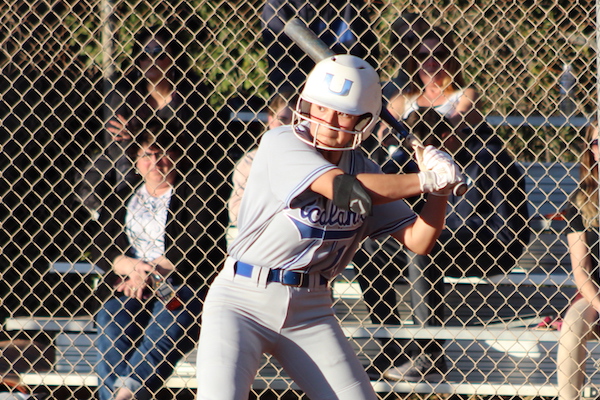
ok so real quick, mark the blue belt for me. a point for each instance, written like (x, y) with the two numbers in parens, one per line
(285, 277)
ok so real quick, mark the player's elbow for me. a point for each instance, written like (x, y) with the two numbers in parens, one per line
(424, 250)
(417, 244)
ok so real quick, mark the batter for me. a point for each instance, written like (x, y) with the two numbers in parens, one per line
(311, 198)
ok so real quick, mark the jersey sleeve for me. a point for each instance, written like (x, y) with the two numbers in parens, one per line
(389, 218)
(292, 165)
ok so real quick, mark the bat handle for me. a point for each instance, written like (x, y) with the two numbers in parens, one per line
(412, 142)
(393, 123)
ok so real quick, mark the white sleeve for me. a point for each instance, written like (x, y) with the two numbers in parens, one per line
(292, 165)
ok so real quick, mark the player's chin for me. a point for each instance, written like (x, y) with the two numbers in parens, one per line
(333, 145)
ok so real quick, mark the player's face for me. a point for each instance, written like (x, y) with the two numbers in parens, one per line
(331, 118)
(156, 166)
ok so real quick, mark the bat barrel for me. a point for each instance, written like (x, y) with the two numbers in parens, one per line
(307, 40)
(317, 50)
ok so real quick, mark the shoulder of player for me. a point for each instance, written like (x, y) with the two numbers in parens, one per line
(280, 137)
(361, 163)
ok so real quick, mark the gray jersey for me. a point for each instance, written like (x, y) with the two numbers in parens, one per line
(283, 224)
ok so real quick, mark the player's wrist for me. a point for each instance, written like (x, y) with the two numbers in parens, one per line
(427, 181)
(442, 193)
(432, 181)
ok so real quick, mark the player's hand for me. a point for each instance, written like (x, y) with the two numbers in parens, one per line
(118, 127)
(441, 173)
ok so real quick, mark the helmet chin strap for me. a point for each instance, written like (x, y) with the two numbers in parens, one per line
(321, 146)
(302, 130)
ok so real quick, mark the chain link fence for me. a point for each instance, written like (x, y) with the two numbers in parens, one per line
(81, 78)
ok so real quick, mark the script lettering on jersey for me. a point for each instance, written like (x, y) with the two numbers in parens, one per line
(332, 216)
(326, 223)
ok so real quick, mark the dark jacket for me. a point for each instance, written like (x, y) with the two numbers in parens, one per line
(195, 235)
(490, 221)
(495, 206)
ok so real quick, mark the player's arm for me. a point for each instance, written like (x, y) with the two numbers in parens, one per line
(382, 188)
(421, 236)
(439, 172)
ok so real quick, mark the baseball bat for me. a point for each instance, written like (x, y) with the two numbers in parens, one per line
(317, 50)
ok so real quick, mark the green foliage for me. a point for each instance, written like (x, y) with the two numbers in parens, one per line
(512, 52)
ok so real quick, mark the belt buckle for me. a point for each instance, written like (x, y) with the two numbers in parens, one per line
(302, 276)
(293, 276)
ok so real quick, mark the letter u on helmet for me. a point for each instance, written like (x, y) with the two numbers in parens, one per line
(346, 84)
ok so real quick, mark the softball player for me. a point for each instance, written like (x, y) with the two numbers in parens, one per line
(310, 199)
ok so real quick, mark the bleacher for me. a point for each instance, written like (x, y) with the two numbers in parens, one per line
(492, 348)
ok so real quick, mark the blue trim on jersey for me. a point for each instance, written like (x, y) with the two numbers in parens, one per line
(312, 232)
(300, 256)
(307, 181)
(394, 228)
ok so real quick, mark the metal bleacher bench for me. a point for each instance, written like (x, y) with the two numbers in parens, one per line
(537, 120)
(498, 358)
(483, 361)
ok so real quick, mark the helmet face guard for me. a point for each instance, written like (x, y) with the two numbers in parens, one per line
(304, 132)
(343, 83)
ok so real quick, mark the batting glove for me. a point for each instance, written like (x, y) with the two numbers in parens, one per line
(441, 173)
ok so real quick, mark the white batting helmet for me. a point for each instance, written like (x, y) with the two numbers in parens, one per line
(343, 83)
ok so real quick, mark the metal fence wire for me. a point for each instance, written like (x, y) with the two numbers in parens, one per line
(81, 80)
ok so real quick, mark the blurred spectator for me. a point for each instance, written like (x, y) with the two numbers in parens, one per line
(486, 230)
(343, 25)
(406, 33)
(160, 244)
(159, 85)
(436, 81)
(580, 322)
(279, 112)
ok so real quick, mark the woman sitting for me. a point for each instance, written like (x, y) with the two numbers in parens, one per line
(159, 244)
